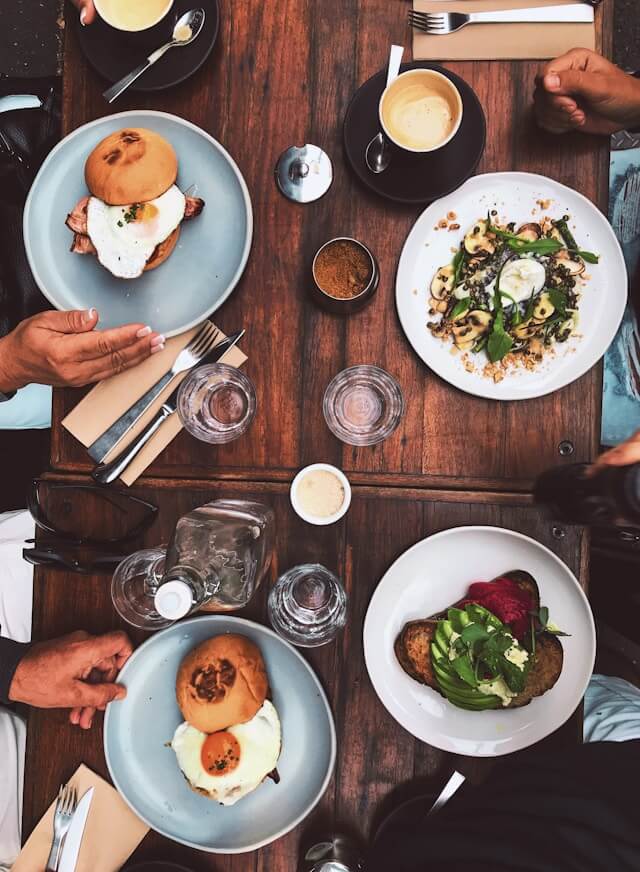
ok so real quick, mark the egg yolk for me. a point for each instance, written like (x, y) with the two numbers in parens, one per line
(146, 212)
(220, 753)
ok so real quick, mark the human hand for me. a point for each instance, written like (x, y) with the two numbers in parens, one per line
(87, 11)
(583, 91)
(77, 671)
(625, 454)
(63, 348)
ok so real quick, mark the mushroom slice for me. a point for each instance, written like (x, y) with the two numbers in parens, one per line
(526, 330)
(466, 345)
(543, 309)
(442, 283)
(530, 232)
(479, 321)
(575, 267)
(554, 233)
(565, 330)
(471, 327)
(477, 241)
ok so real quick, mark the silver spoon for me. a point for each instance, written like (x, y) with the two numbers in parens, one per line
(187, 28)
(378, 153)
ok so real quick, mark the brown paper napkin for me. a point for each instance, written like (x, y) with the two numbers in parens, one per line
(499, 41)
(111, 835)
(108, 400)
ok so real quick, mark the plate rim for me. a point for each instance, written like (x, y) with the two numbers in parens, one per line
(479, 390)
(146, 89)
(368, 182)
(368, 647)
(243, 622)
(181, 122)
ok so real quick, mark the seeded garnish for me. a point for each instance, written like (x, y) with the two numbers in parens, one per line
(132, 212)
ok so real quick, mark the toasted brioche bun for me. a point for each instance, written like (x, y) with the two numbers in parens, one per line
(132, 165)
(221, 682)
(162, 251)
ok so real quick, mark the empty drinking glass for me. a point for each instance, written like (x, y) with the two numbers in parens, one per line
(308, 605)
(363, 405)
(216, 403)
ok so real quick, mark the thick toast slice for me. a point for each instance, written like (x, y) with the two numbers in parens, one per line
(413, 648)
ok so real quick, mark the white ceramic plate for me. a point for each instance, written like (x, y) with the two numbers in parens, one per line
(204, 267)
(145, 771)
(434, 574)
(514, 195)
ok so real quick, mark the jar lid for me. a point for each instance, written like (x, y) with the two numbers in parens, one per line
(173, 600)
(304, 173)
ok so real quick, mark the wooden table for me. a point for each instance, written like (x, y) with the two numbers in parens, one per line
(282, 74)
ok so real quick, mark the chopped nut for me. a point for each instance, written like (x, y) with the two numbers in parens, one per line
(454, 227)
(442, 223)
(451, 216)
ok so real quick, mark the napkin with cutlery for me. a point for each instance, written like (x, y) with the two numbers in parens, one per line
(499, 41)
(112, 397)
(111, 835)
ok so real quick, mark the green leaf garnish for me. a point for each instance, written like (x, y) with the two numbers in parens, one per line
(559, 300)
(460, 307)
(499, 343)
(457, 263)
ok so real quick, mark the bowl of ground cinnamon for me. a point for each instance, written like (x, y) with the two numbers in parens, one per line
(345, 275)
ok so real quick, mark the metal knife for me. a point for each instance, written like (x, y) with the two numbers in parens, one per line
(105, 473)
(99, 449)
(73, 839)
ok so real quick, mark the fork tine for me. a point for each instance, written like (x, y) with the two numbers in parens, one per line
(201, 338)
(426, 23)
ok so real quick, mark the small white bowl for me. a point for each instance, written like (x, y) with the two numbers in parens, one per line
(313, 519)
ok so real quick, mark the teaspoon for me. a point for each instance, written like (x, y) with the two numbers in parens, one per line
(378, 153)
(186, 29)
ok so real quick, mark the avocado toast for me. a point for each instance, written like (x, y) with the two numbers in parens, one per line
(493, 649)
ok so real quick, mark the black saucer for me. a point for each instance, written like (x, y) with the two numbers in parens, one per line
(114, 53)
(414, 178)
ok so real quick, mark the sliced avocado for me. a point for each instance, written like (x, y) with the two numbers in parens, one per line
(441, 639)
(447, 629)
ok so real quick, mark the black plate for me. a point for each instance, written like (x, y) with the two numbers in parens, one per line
(414, 178)
(114, 53)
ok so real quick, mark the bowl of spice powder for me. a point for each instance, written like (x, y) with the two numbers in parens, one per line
(345, 275)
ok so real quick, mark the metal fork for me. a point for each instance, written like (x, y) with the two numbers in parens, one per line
(191, 354)
(65, 807)
(438, 23)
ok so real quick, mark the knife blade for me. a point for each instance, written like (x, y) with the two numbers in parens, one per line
(73, 839)
(105, 473)
(105, 443)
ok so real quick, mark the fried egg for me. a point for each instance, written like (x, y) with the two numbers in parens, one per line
(231, 763)
(126, 236)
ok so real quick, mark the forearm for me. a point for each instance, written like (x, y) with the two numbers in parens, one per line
(11, 653)
(9, 380)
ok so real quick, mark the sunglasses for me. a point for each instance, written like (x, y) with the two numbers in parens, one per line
(80, 519)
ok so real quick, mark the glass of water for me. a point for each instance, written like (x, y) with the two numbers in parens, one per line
(363, 405)
(216, 403)
(308, 605)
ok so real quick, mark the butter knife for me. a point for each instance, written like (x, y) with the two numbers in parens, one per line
(106, 473)
(99, 449)
(73, 839)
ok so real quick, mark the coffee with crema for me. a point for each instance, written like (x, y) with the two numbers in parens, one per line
(421, 110)
(132, 15)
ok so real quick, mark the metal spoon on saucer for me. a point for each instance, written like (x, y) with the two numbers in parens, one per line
(378, 153)
(187, 28)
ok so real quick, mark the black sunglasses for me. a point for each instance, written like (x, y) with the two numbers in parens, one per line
(71, 548)
(134, 515)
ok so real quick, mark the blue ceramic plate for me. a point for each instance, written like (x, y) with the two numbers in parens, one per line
(146, 772)
(203, 269)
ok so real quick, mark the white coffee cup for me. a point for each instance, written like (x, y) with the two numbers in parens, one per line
(132, 15)
(420, 111)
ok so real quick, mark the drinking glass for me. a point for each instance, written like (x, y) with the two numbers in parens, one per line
(216, 403)
(308, 605)
(363, 405)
